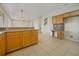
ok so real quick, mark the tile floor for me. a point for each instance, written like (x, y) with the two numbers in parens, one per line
(49, 46)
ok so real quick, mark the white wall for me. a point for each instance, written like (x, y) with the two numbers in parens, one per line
(21, 23)
(72, 28)
(36, 23)
(7, 20)
(39, 22)
(46, 11)
(1, 20)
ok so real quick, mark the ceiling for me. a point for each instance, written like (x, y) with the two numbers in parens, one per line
(35, 10)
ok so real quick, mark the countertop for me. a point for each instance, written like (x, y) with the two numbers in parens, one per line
(3, 31)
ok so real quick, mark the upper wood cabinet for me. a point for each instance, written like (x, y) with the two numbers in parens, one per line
(2, 44)
(59, 19)
(66, 15)
(54, 20)
(74, 13)
(14, 40)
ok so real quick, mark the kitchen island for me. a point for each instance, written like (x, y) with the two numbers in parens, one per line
(14, 39)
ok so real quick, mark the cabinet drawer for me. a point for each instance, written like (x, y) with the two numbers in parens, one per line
(27, 32)
(13, 34)
(14, 37)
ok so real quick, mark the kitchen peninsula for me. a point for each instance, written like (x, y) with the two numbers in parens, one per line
(14, 38)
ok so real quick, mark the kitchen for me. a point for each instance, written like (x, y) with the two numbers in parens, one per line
(39, 29)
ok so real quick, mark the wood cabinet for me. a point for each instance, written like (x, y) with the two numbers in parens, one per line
(70, 14)
(30, 37)
(58, 19)
(74, 13)
(54, 20)
(14, 40)
(2, 44)
(66, 15)
(26, 38)
(34, 38)
(60, 34)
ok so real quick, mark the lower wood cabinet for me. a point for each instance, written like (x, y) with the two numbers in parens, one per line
(14, 42)
(17, 39)
(30, 37)
(60, 34)
(26, 38)
(34, 36)
(2, 44)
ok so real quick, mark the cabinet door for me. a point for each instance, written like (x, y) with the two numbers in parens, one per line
(34, 37)
(66, 15)
(61, 34)
(14, 42)
(26, 38)
(54, 20)
(74, 13)
(2, 44)
(60, 19)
